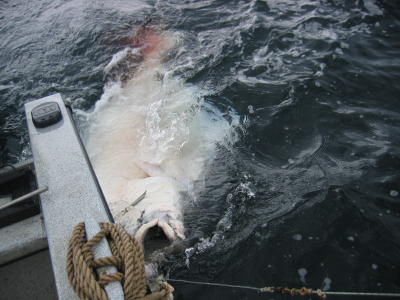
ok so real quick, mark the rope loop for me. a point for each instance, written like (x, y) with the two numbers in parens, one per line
(127, 257)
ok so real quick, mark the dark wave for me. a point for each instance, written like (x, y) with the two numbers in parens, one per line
(310, 193)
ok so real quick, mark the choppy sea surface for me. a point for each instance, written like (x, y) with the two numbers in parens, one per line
(309, 192)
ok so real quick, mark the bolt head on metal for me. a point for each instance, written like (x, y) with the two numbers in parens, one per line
(46, 114)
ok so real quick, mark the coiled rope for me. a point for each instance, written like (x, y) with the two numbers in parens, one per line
(127, 257)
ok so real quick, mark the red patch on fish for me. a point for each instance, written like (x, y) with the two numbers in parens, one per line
(149, 40)
(147, 37)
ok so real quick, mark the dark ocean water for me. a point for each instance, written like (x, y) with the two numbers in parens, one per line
(309, 195)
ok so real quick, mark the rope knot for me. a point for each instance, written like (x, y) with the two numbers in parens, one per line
(127, 257)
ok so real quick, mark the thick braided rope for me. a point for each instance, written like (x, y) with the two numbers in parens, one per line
(80, 274)
(134, 282)
(127, 258)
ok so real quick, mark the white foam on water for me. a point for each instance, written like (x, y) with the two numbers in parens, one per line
(188, 253)
(297, 237)
(118, 57)
(326, 284)
(302, 273)
(372, 8)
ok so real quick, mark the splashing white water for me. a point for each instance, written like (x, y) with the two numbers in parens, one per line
(156, 121)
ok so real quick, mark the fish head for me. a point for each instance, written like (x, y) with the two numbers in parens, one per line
(158, 212)
(160, 233)
(160, 228)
